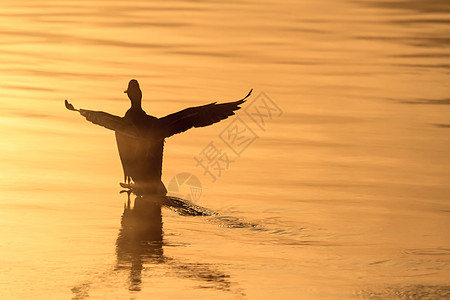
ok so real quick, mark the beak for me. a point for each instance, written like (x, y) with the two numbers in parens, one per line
(125, 92)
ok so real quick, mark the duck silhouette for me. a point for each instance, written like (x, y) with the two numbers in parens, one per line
(140, 137)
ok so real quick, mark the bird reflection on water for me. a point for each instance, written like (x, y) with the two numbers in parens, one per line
(140, 244)
(140, 238)
(140, 249)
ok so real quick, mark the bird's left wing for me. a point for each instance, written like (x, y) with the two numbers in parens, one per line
(106, 120)
(198, 116)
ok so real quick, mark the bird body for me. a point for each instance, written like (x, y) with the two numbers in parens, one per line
(140, 137)
(141, 157)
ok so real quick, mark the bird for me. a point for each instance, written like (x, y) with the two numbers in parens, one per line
(140, 137)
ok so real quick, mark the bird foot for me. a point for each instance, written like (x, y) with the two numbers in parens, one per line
(126, 185)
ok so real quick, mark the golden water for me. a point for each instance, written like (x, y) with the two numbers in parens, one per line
(345, 195)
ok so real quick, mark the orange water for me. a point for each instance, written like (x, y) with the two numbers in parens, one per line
(346, 192)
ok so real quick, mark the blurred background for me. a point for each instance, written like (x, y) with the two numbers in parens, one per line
(343, 192)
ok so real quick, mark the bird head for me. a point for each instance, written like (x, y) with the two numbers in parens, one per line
(134, 92)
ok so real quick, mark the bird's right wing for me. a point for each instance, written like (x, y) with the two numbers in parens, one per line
(199, 116)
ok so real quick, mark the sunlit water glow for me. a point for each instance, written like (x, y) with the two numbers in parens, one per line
(345, 195)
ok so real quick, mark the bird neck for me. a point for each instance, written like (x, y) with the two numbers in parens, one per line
(136, 104)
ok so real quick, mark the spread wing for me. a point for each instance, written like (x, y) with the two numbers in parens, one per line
(198, 116)
(106, 120)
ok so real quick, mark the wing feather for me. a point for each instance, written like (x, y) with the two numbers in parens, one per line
(104, 119)
(112, 122)
(198, 116)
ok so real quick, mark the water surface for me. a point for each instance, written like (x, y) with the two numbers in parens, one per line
(343, 194)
